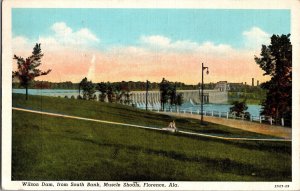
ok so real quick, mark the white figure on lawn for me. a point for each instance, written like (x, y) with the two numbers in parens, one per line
(171, 127)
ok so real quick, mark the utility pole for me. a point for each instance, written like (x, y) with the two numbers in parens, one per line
(202, 89)
(147, 89)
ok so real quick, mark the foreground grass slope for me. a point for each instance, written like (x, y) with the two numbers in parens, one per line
(123, 114)
(53, 148)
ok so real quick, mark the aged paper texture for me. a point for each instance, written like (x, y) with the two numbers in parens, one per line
(150, 95)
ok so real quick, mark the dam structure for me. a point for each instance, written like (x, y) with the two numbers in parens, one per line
(218, 95)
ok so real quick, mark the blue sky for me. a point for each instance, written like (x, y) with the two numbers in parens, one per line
(125, 26)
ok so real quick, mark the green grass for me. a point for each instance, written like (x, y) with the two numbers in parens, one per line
(54, 148)
(124, 114)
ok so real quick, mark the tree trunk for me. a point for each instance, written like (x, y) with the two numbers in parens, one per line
(277, 114)
(26, 92)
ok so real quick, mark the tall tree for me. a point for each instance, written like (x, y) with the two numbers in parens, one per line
(276, 60)
(88, 89)
(120, 90)
(172, 94)
(111, 95)
(82, 83)
(163, 88)
(102, 88)
(28, 68)
(169, 95)
(179, 100)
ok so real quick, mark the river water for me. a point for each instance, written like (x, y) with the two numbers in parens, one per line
(254, 110)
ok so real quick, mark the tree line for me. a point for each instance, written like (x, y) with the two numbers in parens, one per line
(121, 93)
(109, 92)
(133, 86)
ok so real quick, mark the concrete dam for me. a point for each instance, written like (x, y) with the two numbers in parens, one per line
(194, 96)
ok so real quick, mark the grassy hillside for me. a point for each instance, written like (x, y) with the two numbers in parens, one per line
(53, 148)
(123, 114)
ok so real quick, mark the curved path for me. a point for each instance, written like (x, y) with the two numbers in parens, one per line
(140, 126)
(265, 129)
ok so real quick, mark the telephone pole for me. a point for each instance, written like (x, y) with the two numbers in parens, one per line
(147, 89)
(202, 89)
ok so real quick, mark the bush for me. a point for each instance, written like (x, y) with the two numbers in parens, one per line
(239, 108)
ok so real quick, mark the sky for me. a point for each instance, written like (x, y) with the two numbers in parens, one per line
(147, 44)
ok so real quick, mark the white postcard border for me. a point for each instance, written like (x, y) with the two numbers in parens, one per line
(293, 5)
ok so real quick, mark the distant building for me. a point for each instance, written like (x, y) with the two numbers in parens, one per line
(257, 83)
(236, 86)
(252, 82)
(222, 86)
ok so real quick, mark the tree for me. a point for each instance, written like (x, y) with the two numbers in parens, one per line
(276, 60)
(168, 94)
(88, 89)
(28, 68)
(172, 94)
(82, 83)
(79, 87)
(111, 96)
(127, 98)
(179, 99)
(239, 108)
(163, 88)
(102, 88)
(122, 92)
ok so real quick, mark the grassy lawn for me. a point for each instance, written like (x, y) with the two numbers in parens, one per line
(123, 114)
(53, 148)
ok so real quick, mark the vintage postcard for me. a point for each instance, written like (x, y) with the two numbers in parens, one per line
(150, 95)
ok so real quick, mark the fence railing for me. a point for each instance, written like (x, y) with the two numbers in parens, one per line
(221, 114)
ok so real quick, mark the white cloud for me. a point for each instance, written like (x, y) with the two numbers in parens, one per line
(63, 36)
(162, 43)
(129, 50)
(86, 34)
(50, 41)
(165, 44)
(20, 40)
(20, 43)
(60, 28)
(156, 40)
(255, 37)
(211, 49)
